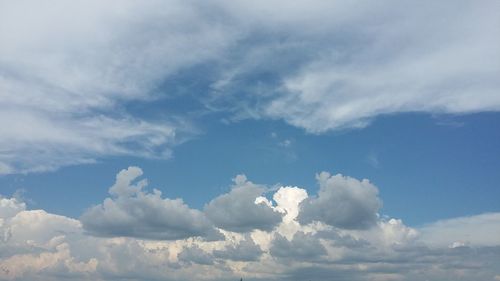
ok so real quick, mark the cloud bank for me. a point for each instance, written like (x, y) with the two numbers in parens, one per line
(139, 235)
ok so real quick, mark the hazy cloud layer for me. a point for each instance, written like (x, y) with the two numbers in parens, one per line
(479, 230)
(142, 236)
(194, 254)
(69, 72)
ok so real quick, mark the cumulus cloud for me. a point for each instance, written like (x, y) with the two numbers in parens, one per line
(242, 209)
(10, 206)
(36, 143)
(287, 200)
(33, 242)
(195, 254)
(343, 240)
(133, 212)
(302, 246)
(69, 73)
(342, 202)
(245, 250)
(37, 245)
(38, 227)
(57, 261)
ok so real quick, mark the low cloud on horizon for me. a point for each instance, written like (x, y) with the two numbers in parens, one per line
(138, 234)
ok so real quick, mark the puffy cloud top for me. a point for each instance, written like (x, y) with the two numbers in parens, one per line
(135, 213)
(288, 199)
(37, 245)
(240, 211)
(10, 206)
(342, 202)
(302, 246)
(245, 250)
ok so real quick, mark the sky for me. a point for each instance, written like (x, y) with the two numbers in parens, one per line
(263, 140)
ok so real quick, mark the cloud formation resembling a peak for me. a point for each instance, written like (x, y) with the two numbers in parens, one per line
(342, 202)
(132, 212)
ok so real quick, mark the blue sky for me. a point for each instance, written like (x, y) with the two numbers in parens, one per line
(264, 140)
(417, 160)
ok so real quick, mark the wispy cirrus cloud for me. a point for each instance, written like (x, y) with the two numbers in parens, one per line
(68, 72)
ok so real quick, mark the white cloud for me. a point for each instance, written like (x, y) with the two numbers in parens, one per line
(34, 242)
(39, 227)
(245, 250)
(36, 245)
(52, 142)
(195, 254)
(68, 72)
(388, 233)
(479, 230)
(288, 199)
(342, 202)
(133, 212)
(59, 260)
(240, 210)
(10, 206)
